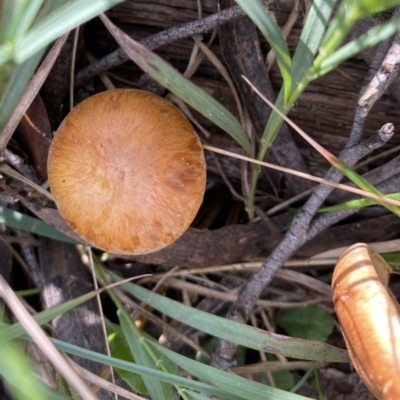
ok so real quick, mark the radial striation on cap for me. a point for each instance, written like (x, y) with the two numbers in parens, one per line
(127, 171)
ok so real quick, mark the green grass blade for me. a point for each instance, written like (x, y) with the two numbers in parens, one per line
(159, 360)
(12, 11)
(157, 389)
(51, 393)
(231, 383)
(15, 80)
(338, 28)
(170, 78)
(28, 17)
(195, 396)
(16, 220)
(362, 183)
(8, 10)
(367, 7)
(272, 33)
(348, 205)
(348, 14)
(308, 46)
(310, 39)
(47, 8)
(142, 370)
(139, 349)
(235, 332)
(15, 369)
(120, 349)
(303, 380)
(369, 38)
(14, 331)
(65, 18)
(272, 127)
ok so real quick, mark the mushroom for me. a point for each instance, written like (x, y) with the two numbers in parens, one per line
(369, 316)
(127, 171)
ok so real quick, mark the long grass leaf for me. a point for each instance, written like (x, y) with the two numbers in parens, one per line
(14, 78)
(368, 39)
(362, 183)
(195, 396)
(308, 46)
(272, 127)
(272, 33)
(120, 349)
(30, 13)
(66, 17)
(16, 371)
(16, 220)
(368, 7)
(15, 82)
(43, 342)
(348, 205)
(170, 78)
(226, 381)
(235, 332)
(142, 370)
(157, 389)
(141, 352)
(14, 331)
(12, 11)
(310, 38)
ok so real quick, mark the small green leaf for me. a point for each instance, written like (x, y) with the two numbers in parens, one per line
(309, 322)
(283, 380)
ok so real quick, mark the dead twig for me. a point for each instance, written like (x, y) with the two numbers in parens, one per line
(183, 31)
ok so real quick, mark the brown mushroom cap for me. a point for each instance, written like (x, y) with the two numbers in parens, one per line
(369, 316)
(127, 171)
